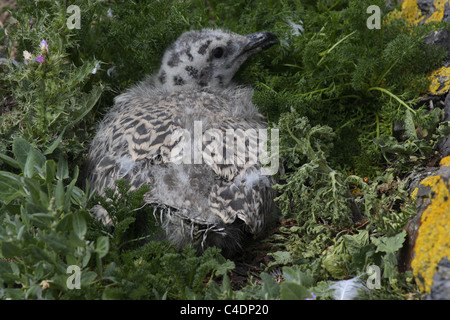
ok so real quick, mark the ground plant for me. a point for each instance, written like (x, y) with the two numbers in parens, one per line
(334, 88)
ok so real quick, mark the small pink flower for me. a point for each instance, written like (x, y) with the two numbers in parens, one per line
(40, 59)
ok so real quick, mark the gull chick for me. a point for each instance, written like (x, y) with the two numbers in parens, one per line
(175, 131)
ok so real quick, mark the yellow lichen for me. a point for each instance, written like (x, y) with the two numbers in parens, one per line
(440, 81)
(412, 13)
(433, 240)
(430, 181)
(439, 13)
(445, 162)
(414, 194)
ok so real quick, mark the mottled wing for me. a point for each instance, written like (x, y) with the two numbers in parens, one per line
(132, 138)
(243, 192)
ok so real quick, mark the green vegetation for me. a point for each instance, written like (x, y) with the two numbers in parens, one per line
(332, 86)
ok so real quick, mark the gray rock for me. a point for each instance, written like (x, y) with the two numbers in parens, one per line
(426, 6)
(440, 290)
(447, 108)
(439, 38)
(446, 13)
(444, 145)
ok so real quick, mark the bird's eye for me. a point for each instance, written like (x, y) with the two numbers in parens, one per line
(217, 52)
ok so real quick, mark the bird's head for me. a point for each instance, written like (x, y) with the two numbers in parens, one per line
(208, 58)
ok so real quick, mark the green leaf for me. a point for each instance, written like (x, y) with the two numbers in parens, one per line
(70, 189)
(390, 144)
(86, 258)
(443, 129)
(32, 292)
(111, 293)
(88, 102)
(34, 159)
(34, 190)
(293, 291)
(11, 187)
(40, 254)
(390, 244)
(58, 244)
(79, 197)
(336, 265)
(63, 169)
(271, 289)
(20, 148)
(10, 161)
(223, 268)
(10, 250)
(59, 195)
(354, 243)
(55, 143)
(295, 274)
(225, 291)
(102, 247)
(79, 225)
(5, 267)
(65, 224)
(50, 170)
(75, 240)
(87, 277)
(41, 220)
(410, 128)
(281, 258)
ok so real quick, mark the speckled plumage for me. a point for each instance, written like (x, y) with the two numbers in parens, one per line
(204, 203)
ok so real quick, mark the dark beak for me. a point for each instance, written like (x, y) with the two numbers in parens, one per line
(260, 41)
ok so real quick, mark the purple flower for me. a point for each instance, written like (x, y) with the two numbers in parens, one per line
(31, 22)
(44, 46)
(313, 296)
(40, 59)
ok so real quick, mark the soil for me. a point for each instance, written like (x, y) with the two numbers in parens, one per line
(256, 256)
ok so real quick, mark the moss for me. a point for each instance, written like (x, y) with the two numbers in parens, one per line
(433, 241)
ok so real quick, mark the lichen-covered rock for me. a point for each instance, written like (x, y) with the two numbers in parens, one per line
(427, 250)
(424, 11)
(440, 81)
(431, 232)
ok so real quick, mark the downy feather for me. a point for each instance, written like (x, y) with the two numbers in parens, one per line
(347, 289)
